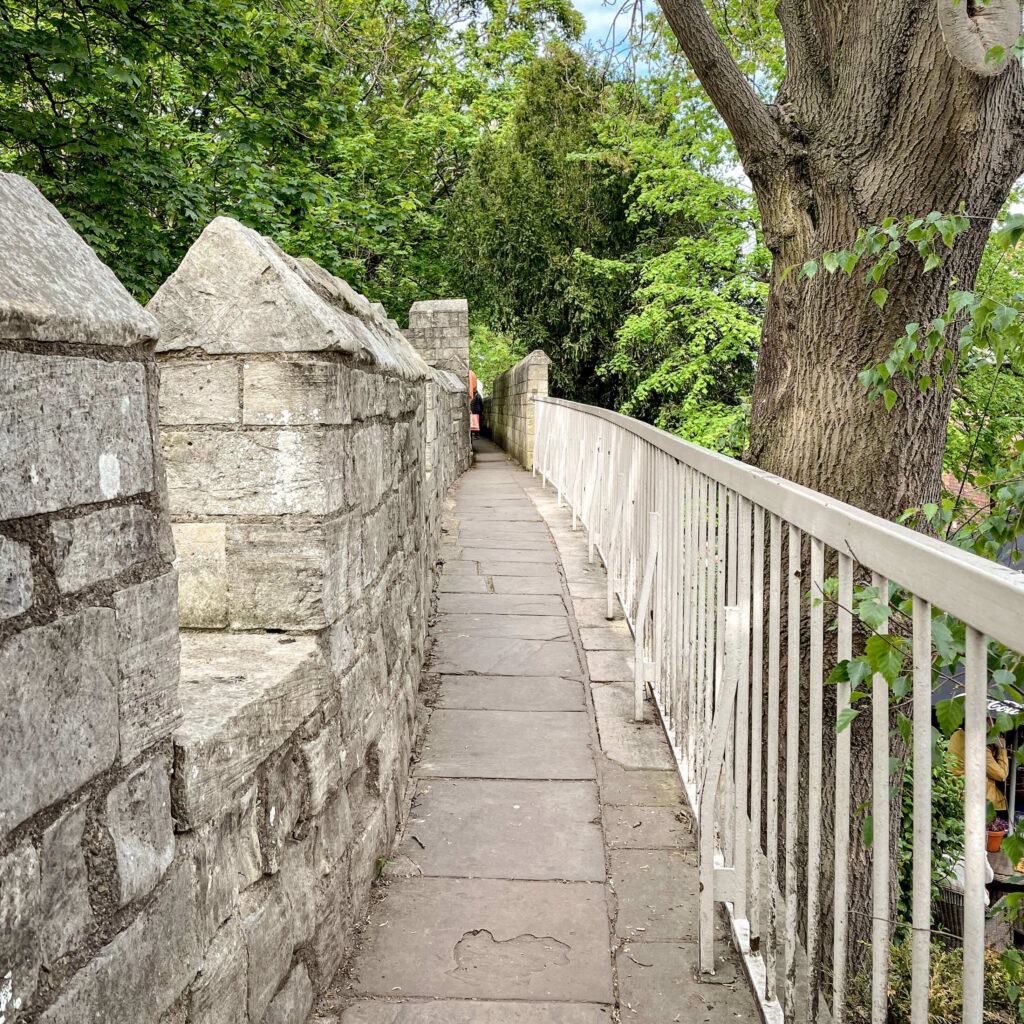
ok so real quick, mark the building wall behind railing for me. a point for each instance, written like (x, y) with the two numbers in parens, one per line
(509, 408)
(202, 852)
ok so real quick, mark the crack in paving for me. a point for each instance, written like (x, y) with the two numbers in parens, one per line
(479, 955)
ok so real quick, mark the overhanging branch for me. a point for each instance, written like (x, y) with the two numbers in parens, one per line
(748, 119)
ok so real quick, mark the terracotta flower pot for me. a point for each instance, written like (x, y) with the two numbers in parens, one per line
(995, 840)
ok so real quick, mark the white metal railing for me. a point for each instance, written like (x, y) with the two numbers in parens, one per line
(694, 545)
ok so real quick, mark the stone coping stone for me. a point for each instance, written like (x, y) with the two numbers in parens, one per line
(53, 287)
(243, 695)
(237, 291)
(440, 306)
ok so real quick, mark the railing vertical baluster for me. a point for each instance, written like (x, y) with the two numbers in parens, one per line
(691, 617)
(700, 624)
(975, 710)
(880, 828)
(922, 903)
(741, 553)
(815, 739)
(792, 763)
(772, 803)
(844, 651)
(756, 725)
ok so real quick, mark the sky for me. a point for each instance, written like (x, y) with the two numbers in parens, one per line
(599, 16)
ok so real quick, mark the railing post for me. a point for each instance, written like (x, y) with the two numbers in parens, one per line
(643, 607)
(735, 624)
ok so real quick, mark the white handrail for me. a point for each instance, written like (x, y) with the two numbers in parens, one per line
(696, 539)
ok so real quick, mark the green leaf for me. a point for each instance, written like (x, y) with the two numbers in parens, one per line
(879, 295)
(890, 399)
(867, 829)
(931, 262)
(950, 715)
(830, 262)
(809, 269)
(884, 656)
(845, 717)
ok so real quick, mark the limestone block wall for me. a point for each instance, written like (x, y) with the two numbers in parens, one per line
(509, 409)
(439, 331)
(197, 850)
(90, 867)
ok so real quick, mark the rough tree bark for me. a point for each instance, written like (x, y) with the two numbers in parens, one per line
(888, 108)
(875, 118)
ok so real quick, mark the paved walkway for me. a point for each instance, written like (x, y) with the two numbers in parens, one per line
(547, 872)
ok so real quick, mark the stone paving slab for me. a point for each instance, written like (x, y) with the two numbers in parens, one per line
(536, 570)
(658, 984)
(511, 554)
(647, 828)
(474, 1012)
(631, 744)
(612, 636)
(511, 693)
(527, 627)
(506, 829)
(464, 584)
(507, 745)
(526, 585)
(611, 666)
(465, 938)
(590, 611)
(521, 536)
(621, 786)
(501, 604)
(456, 655)
(657, 892)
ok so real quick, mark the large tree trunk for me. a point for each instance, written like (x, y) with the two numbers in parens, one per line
(888, 109)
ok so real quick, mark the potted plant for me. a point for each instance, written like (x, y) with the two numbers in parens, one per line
(997, 829)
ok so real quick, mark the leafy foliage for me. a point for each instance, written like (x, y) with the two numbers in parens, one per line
(339, 127)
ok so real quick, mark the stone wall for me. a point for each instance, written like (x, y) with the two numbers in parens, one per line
(200, 853)
(509, 410)
(89, 862)
(439, 331)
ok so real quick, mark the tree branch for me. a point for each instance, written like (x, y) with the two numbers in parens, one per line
(753, 129)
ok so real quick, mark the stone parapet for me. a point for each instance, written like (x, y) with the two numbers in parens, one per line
(191, 819)
(88, 630)
(509, 408)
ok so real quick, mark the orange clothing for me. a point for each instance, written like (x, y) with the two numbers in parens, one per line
(997, 767)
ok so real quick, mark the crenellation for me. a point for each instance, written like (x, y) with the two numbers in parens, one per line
(509, 409)
(216, 557)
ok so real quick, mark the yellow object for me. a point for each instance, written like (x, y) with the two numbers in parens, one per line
(997, 767)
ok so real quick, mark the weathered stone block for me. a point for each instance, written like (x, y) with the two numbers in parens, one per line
(285, 794)
(15, 577)
(138, 817)
(333, 833)
(58, 691)
(296, 391)
(220, 992)
(254, 472)
(147, 657)
(369, 465)
(276, 575)
(20, 920)
(76, 431)
(66, 915)
(324, 758)
(269, 943)
(53, 287)
(227, 860)
(100, 545)
(144, 969)
(194, 391)
(202, 575)
(243, 696)
(292, 1004)
(299, 885)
